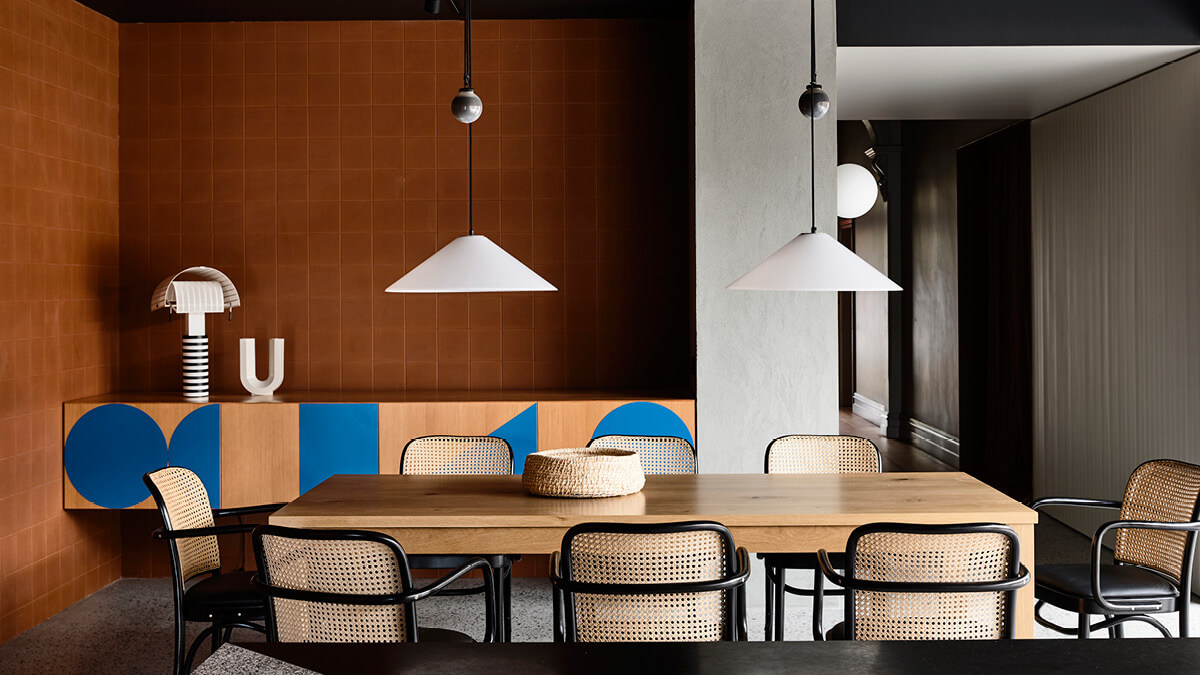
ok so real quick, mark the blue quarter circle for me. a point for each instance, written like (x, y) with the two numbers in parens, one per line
(108, 450)
(643, 418)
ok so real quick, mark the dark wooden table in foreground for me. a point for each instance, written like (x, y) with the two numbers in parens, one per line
(847, 658)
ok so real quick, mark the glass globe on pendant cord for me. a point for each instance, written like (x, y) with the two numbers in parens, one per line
(466, 106)
(814, 102)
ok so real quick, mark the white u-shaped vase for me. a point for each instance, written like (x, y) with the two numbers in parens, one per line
(250, 379)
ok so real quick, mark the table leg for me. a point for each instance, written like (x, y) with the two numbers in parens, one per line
(1025, 622)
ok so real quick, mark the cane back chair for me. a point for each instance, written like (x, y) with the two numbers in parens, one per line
(672, 582)
(659, 454)
(929, 582)
(805, 453)
(1153, 550)
(465, 455)
(225, 601)
(349, 586)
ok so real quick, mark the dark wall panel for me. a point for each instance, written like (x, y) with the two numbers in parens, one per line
(995, 333)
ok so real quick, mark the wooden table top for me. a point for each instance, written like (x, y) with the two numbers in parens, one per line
(736, 500)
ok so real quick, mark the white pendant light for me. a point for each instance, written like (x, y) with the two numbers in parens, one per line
(814, 261)
(856, 190)
(471, 263)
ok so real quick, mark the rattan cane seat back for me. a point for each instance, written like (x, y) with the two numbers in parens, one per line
(659, 454)
(184, 506)
(649, 558)
(477, 455)
(1165, 491)
(355, 567)
(802, 453)
(907, 557)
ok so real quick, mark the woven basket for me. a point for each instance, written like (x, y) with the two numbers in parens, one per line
(583, 473)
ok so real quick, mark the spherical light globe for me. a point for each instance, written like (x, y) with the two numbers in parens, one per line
(856, 190)
(466, 106)
(814, 102)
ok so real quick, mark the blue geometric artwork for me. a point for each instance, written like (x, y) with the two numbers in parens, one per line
(643, 418)
(108, 450)
(196, 445)
(112, 445)
(521, 434)
(337, 438)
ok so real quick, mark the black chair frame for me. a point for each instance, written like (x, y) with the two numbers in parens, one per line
(1118, 612)
(564, 587)
(775, 566)
(500, 565)
(262, 581)
(1018, 575)
(222, 625)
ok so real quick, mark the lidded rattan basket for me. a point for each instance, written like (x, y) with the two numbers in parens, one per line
(583, 473)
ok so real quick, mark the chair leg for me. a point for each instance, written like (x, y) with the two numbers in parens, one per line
(1113, 631)
(1184, 609)
(498, 582)
(818, 605)
(216, 638)
(180, 641)
(780, 596)
(191, 655)
(556, 599)
(768, 586)
(228, 634)
(507, 600)
(1084, 630)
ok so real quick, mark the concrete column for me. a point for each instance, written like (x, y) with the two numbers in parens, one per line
(767, 362)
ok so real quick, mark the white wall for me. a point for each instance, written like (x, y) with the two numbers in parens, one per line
(767, 362)
(1116, 285)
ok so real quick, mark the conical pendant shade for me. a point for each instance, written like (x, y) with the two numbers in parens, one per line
(814, 262)
(470, 264)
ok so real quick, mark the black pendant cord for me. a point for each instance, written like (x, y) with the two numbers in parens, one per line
(471, 126)
(812, 122)
(812, 170)
(812, 36)
(467, 44)
(471, 178)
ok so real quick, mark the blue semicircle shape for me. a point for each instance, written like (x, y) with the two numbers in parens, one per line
(643, 418)
(196, 445)
(108, 450)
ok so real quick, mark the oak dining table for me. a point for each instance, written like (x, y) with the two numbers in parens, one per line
(767, 513)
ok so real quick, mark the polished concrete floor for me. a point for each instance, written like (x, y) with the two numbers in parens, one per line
(126, 627)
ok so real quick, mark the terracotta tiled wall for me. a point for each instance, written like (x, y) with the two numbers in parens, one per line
(315, 163)
(58, 293)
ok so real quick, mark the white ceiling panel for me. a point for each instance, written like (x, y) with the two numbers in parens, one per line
(897, 83)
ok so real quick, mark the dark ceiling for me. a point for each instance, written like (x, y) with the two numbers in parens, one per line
(136, 11)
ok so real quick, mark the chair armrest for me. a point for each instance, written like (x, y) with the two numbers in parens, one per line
(1098, 544)
(489, 593)
(827, 568)
(248, 510)
(1075, 501)
(163, 533)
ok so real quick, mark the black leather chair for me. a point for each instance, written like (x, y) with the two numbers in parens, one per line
(225, 601)
(1155, 545)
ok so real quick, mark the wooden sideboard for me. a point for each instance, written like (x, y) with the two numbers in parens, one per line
(253, 450)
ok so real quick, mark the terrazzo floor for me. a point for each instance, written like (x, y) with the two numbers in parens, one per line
(126, 627)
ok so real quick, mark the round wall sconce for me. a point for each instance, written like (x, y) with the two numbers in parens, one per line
(856, 190)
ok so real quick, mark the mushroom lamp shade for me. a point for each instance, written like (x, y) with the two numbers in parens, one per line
(856, 190)
(814, 261)
(471, 263)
